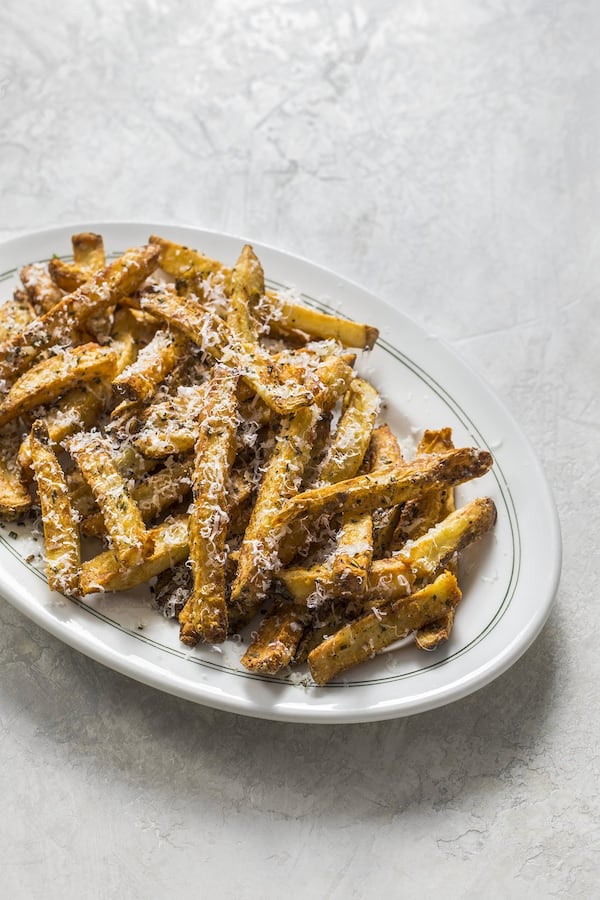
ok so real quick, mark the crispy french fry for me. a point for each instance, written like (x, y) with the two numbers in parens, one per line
(418, 563)
(419, 514)
(43, 294)
(58, 324)
(389, 487)
(88, 257)
(276, 642)
(105, 573)
(343, 458)
(365, 637)
(204, 616)
(258, 553)
(15, 499)
(124, 524)
(139, 381)
(15, 314)
(182, 262)
(247, 287)
(61, 534)
(52, 377)
(385, 450)
(321, 325)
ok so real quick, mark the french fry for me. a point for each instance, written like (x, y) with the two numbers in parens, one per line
(58, 325)
(105, 572)
(385, 450)
(321, 325)
(182, 262)
(419, 514)
(88, 258)
(52, 377)
(361, 639)
(258, 553)
(43, 294)
(343, 458)
(61, 534)
(389, 487)
(15, 499)
(125, 527)
(15, 314)
(247, 287)
(418, 563)
(276, 642)
(139, 381)
(204, 616)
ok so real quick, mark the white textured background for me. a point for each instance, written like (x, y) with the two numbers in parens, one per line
(444, 154)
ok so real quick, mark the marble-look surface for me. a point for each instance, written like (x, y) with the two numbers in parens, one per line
(444, 154)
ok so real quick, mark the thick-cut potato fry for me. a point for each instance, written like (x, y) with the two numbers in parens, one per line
(15, 314)
(421, 560)
(57, 326)
(105, 573)
(385, 450)
(204, 616)
(363, 638)
(258, 553)
(321, 325)
(139, 381)
(389, 487)
(43, 294)
(61, 534)
(15, 499)
(343, 458)
(247, 287)
(353, 434)
(52, 377)
(88, 257)
(182, 262)
(122, 518)
(419, 514)
(276, 642)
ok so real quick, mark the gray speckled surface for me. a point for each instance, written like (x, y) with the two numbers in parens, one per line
(445, 155)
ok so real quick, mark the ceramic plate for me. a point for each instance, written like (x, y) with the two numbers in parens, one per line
(509, 579)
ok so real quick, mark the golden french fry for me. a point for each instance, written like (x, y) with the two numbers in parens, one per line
(389, 487)
(182, 262)
(61, 534)
(419, 562)
(139, 381)
(258, 553)
(363, 638)
(122, 518)
(14, 496)
(57, 326)
(52, 377)
(204, 616)
(276, 642)
(321, 325)
(384, 452)
(15, 314)
(247, 287)
(105, 572)
(43, 294)
(88, 251)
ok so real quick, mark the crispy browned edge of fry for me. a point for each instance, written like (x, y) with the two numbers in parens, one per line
(140, 380)
(15, 498)
(204, 615)
(61, 532)
(365, 637)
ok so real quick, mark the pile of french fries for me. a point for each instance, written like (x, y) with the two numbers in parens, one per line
(214, 435)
